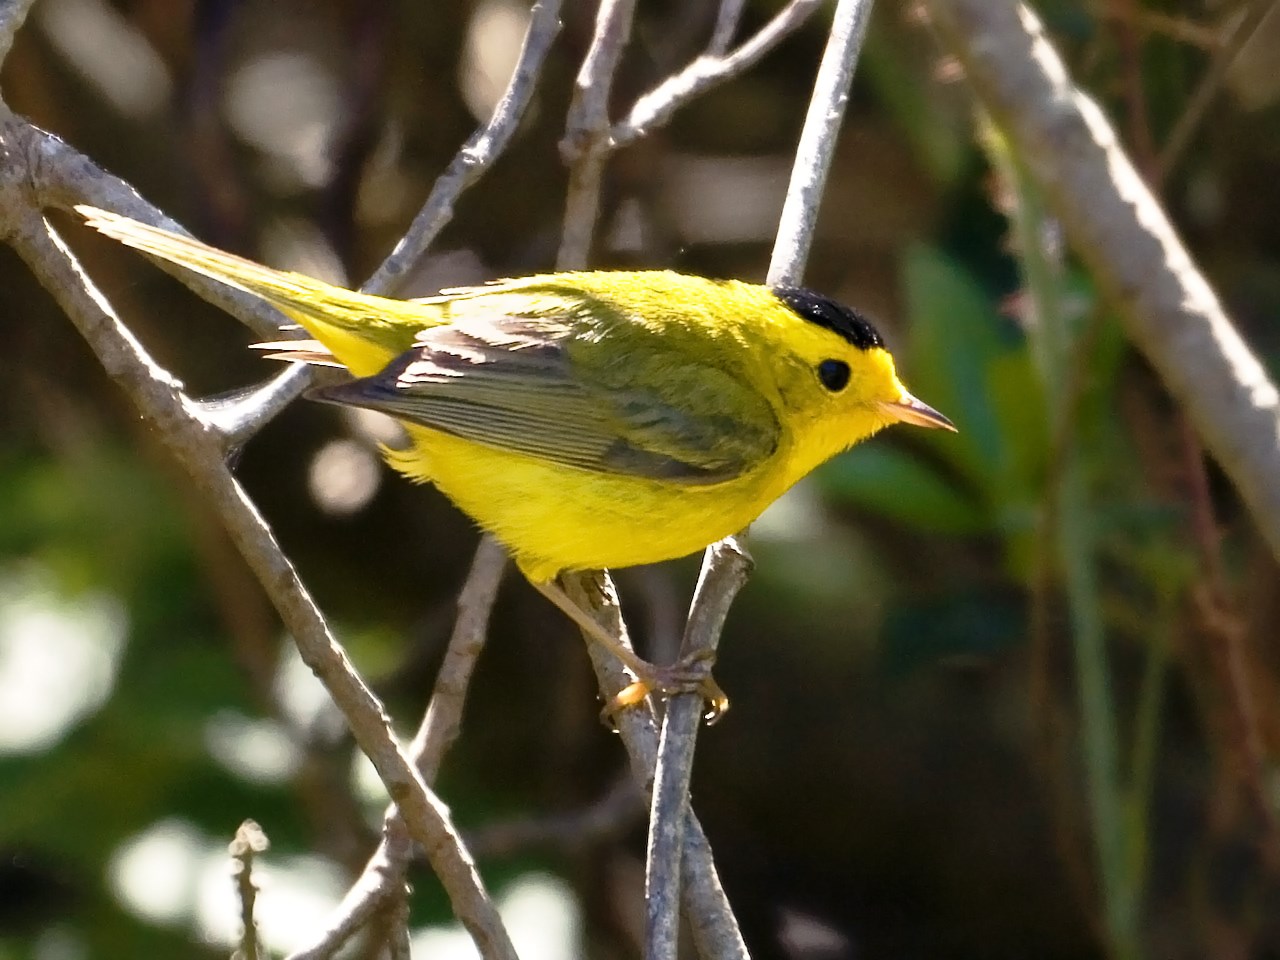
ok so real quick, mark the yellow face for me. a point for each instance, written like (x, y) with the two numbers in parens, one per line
(836, 380)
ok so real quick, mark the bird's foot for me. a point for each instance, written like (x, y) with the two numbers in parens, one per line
(691, 674)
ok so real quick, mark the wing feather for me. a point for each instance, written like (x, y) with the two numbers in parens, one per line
(513, 383)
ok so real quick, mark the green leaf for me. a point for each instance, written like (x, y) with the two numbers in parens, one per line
(974, 365)
(1018, 400)
(953, 338)
(892, 483)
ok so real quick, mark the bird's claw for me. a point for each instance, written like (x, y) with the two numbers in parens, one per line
(691, 674)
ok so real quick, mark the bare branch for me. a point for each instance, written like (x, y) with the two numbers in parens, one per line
(727, 564)
(398, 928)
(715, 929)
(657, 107)
(586, 146)
(1174, 25)
(706, 907)
(63, 177)
(248, 843)
(477, 154)
(239, 417)
(12, 14)
(72, 179)
(606, 818)
(725, 568)
(443, 720)
(727, 19)
(383, 876)
(197, 447)
(1120, 231)
(588, 137)
(1242, 25)
(380, 881)
(818, 141)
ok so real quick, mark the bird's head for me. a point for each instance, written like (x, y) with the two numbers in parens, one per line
(840, 385)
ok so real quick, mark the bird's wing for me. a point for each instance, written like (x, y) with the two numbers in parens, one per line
(636, 409)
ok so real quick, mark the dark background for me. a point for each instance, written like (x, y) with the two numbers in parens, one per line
(901, 774)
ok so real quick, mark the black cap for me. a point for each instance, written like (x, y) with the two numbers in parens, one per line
(836, 317)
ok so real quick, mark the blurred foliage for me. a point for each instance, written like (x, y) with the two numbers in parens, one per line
(907, 770)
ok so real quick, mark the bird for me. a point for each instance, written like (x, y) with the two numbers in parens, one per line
(589, 419)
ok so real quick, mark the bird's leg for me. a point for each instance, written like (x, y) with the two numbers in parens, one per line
(688, 675)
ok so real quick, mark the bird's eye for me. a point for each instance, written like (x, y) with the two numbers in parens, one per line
(834, 374)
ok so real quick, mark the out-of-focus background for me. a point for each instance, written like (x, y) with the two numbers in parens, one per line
(904, 772)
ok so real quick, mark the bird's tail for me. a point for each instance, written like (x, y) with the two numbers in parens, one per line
(362, 332)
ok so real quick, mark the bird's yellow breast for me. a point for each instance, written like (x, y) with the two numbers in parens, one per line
(603, 520)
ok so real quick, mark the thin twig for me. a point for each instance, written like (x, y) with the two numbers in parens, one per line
(609, 817)
(160, 398)
(589, 138)
(381, 879)
(1132, 88)
(725, 568)
(656, 108)
(727, 19)
(248, 843)
(68, 178)
(1179, 28)
(715, 929)
(239, 418)
(1239, 29)
(383, 875)
(62, 177)
(585, 146)
(1222, 624)
(727, 564)
(1118, 228)
(818, 141)
(398, 928)
(443, 720)
(1225, 635)
(477, 154)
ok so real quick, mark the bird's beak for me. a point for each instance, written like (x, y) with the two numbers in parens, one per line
(911, 410)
